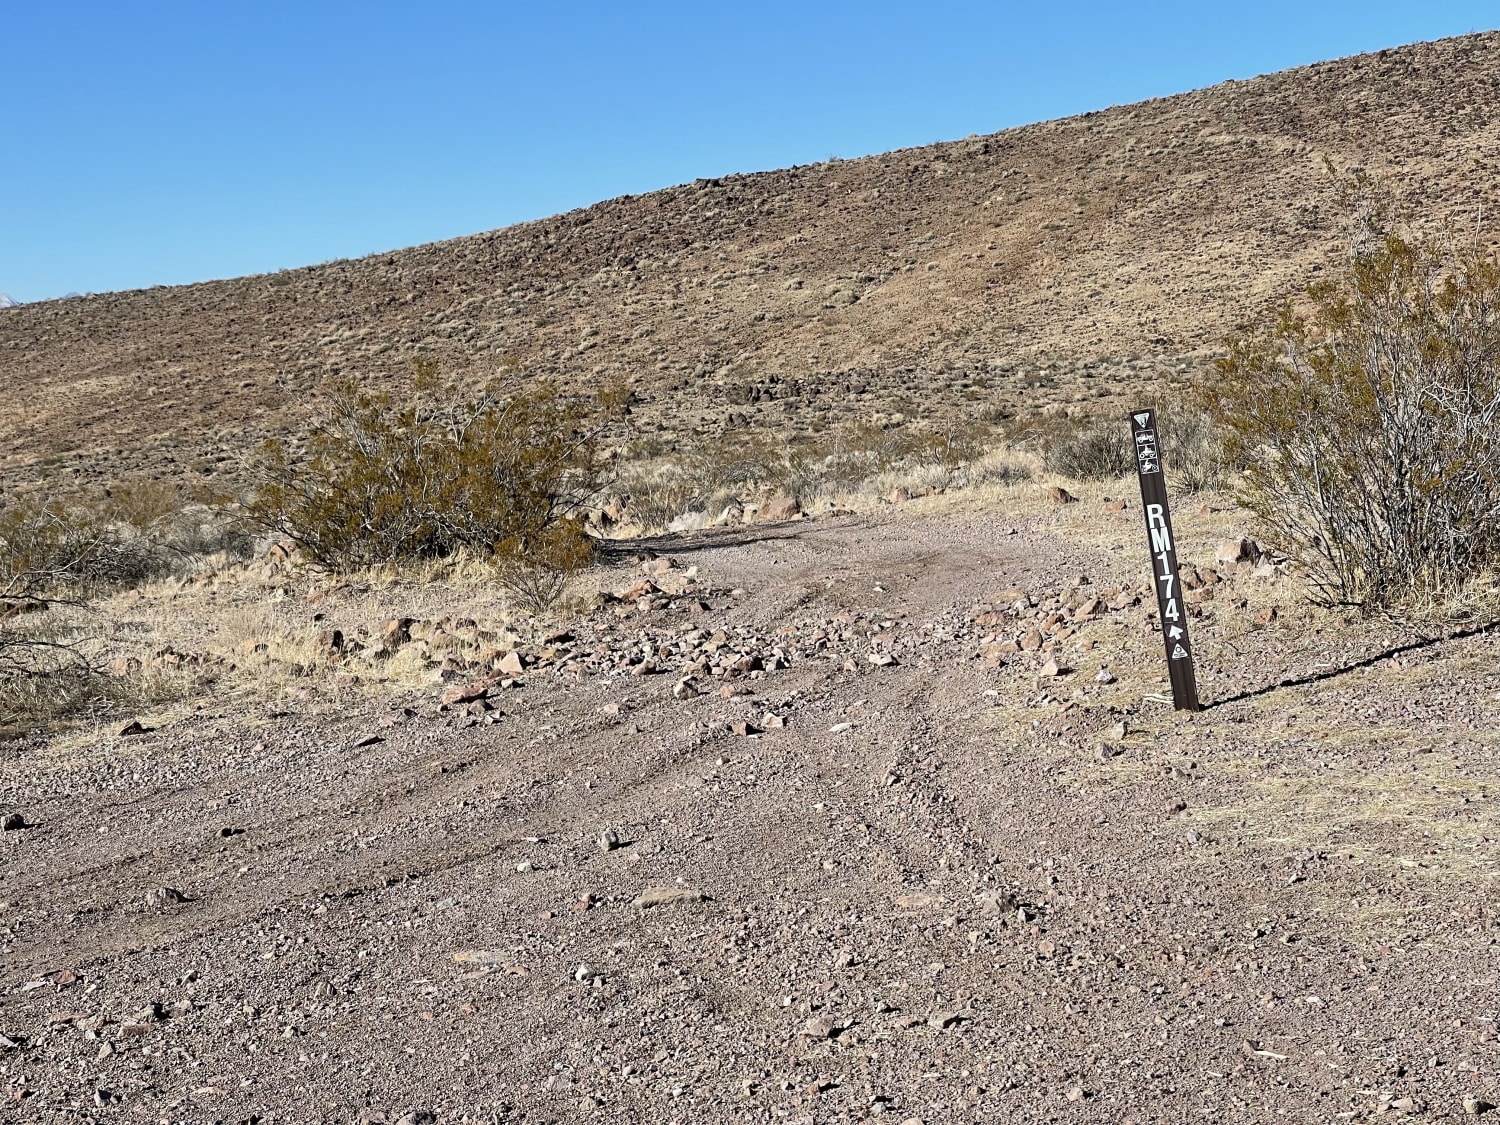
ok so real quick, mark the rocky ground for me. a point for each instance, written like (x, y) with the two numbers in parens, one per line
(865, 817)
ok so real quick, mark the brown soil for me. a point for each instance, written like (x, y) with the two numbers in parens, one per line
(1064, 262)
(941, 892)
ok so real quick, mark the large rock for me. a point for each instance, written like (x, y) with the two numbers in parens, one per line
(781, 508)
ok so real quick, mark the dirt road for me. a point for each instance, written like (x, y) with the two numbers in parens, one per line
(942, 891)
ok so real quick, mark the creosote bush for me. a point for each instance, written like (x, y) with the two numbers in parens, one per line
(1367, 417)
(382, 480)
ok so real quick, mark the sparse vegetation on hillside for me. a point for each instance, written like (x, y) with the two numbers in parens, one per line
(1368, 417)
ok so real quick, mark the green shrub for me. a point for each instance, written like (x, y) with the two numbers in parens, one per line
(387, 480)
(1367, 418)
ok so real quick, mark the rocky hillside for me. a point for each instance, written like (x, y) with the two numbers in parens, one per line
(1060, 262)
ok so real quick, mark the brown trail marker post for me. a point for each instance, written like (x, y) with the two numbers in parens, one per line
(1169, 601)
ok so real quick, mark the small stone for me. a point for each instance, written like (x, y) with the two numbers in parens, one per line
(818, 1027)
(584, 973)
(771, 721)
(417, 1117)
(684, 689)
(1104, 676)
(609, 840)
(13, 822)
(665, 896)
(1236, 551)
(742, 728)
(1077, 1094)
(466, 693)
(1475, 1106)
(938, 1021)
(159, 898)
(1059, 495)
(1053, 668)
(840, 728)
(881, 659)
(131, 728)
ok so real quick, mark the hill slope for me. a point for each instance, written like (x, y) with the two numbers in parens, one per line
(1057, 262)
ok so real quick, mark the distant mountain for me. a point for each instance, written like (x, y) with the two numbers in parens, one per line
(8, 302)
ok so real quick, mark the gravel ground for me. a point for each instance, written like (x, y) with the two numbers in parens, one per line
(948, 888)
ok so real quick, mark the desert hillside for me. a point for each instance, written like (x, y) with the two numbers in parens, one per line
(1059, 262)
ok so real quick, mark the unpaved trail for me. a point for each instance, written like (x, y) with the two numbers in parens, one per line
(931, 895)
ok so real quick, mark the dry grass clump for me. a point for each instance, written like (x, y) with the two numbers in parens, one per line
(1098, 447)
(57, 555)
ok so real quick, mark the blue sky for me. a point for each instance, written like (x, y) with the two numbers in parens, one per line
(146, 143)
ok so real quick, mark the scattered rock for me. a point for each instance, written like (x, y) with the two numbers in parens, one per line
(466, 693)
(1475, 1106)
(133, 727)
(665, 896)
(1059, 495)
(13, 822)
(1104, 676)
(685, 689)
(1053, 668)
(819, 1027)
(417, 1117)
(940, 1021)
(584, 973)
(159, 898)
(881, 659)
(1237, 551)
(609, 840)
(781, 508)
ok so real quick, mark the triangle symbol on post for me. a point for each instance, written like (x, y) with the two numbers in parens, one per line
(1179, 652)
(1141, 419)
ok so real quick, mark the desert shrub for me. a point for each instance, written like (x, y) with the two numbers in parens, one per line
(1098, 446)
(1367, 418)
(385, 480)
(1093, 447)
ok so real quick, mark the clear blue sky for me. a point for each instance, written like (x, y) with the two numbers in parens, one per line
(151, 143)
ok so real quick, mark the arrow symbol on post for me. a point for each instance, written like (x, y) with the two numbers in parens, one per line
(1174, 632)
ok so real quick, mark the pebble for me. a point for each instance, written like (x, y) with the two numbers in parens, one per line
(159, 898)
(665, 896)
(584, 973)
(417, 1117)
(819, 1027)
(13, 822)
(609, 840)
(1104, 676)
